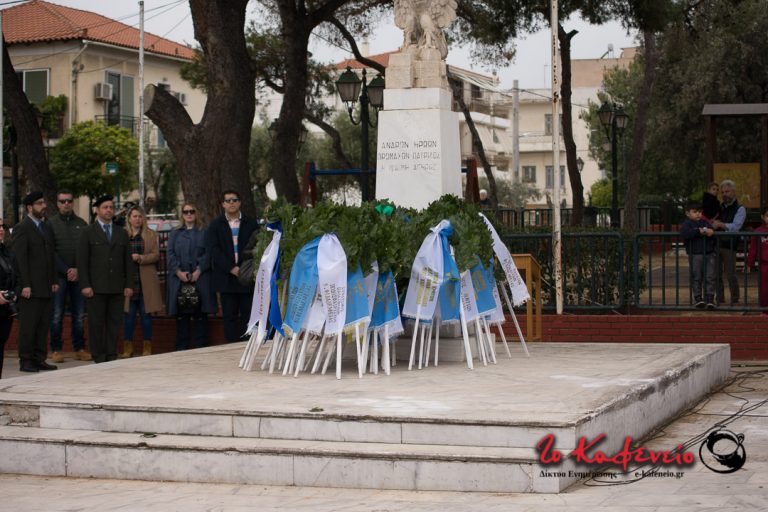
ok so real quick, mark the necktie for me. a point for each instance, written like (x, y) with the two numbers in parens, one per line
(40, 227)
(108, 231)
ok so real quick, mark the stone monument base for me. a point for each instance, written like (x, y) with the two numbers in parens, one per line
(419, 153)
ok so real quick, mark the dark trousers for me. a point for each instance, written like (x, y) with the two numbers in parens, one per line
(702, 268)
(727, 272)
(235, 311)
(105, 315)
(183, 324)
(68, 290)
(34, 322)
(6, 321)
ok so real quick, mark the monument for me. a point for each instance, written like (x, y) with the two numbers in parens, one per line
(418, 134)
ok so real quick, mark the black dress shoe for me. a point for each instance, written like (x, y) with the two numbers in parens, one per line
(46, 366)
(29, 367)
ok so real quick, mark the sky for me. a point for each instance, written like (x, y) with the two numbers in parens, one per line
(172, 19)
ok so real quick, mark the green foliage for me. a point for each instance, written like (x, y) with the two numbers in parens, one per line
(391, 236)
(77, 158)
(512, 195)
(53, 109)
(713, 51)
(601, 193)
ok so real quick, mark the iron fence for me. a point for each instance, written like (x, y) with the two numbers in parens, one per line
(606, 270)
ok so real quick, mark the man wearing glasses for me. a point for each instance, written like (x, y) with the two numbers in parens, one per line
(67, 227)
(226, 238)
(33, 245)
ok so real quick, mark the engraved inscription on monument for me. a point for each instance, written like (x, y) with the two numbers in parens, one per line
(409, 155)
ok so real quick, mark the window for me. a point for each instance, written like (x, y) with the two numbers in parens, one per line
(548, 124)
(529, 174)
(550, 176)
(35, 84)
(120, 109)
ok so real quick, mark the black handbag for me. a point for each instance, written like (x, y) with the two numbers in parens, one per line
(188, 298)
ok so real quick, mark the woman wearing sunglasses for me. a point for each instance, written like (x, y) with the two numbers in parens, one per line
(189, 287)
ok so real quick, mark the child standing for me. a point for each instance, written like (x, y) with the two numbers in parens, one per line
(710, 204)
(700, 247)
(758, 250)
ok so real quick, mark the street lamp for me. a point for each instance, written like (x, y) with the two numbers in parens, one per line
(614, 120)
(351, 87)
(580, 164)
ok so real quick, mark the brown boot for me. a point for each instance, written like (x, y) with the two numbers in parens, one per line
(147, 348)
(127, 350)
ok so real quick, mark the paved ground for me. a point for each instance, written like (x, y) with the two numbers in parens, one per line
(741, 407)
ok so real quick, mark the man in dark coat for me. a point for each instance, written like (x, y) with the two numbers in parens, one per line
(226, 238)
(105, 269)
(34, 248)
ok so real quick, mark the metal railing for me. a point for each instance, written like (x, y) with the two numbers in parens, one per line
(593, 268)
(663, 259)
(521, 218)
(607, 271)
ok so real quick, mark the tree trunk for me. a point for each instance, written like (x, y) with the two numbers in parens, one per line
(212, 155)
(477, 143)
(29, 146)
(631, 197)
(577, 188)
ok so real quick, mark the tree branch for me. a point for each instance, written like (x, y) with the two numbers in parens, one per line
(334, 135)
(355, 50)
(168, 114)
(458, 95)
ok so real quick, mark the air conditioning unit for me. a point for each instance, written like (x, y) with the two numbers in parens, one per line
(181, 97)
(103, 91)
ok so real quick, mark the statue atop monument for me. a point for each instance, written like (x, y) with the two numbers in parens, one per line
(423, 22)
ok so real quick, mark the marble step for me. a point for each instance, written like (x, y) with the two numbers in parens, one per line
(179, 458)
(307, 427)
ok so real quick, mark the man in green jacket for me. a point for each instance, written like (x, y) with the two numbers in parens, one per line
(105, 270)
(67, 227)
(33, 246)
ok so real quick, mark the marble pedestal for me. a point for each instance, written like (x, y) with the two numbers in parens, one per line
(418, 154)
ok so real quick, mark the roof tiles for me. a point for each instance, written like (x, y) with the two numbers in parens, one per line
(38, 21)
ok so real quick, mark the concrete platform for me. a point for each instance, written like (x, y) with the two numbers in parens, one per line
(444, 428)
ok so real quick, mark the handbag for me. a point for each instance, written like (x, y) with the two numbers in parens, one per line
(247, 277)
(188, 298)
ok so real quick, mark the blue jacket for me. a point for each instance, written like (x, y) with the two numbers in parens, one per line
(695, 242)
(187, 252)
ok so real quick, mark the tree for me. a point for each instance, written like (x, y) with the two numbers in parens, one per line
(78, 158)
(212, 155)
(162, 178)
(601, 193)
(713, 51)
(29, 140)
(513, 195)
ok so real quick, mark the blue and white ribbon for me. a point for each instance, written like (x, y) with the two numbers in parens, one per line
(302, 286)
(426, 276)
(386, 310)
(265, 286)
(332, 282)
(357, 299)
(516, 284)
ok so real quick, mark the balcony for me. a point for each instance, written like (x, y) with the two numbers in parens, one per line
(128, 122)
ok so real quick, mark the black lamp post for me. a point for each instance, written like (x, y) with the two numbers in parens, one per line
(351, 87)
(614, 120)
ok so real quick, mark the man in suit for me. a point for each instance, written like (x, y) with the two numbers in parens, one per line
(105, 269)
(34, 247)
(226, 237)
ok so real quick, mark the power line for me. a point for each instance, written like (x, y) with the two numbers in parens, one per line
(171, 6)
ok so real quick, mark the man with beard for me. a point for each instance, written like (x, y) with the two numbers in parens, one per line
(34, 247)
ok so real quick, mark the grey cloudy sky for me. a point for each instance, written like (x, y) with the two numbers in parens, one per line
(172, 19)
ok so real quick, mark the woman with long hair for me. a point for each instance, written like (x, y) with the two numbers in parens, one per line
(147, 297)
(189, 270)
(9, 289)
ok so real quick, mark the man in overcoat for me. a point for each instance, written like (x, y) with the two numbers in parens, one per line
(226, 238)
(105, 269)
(33, 245)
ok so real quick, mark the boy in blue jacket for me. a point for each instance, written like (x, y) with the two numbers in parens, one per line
(700, 246)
